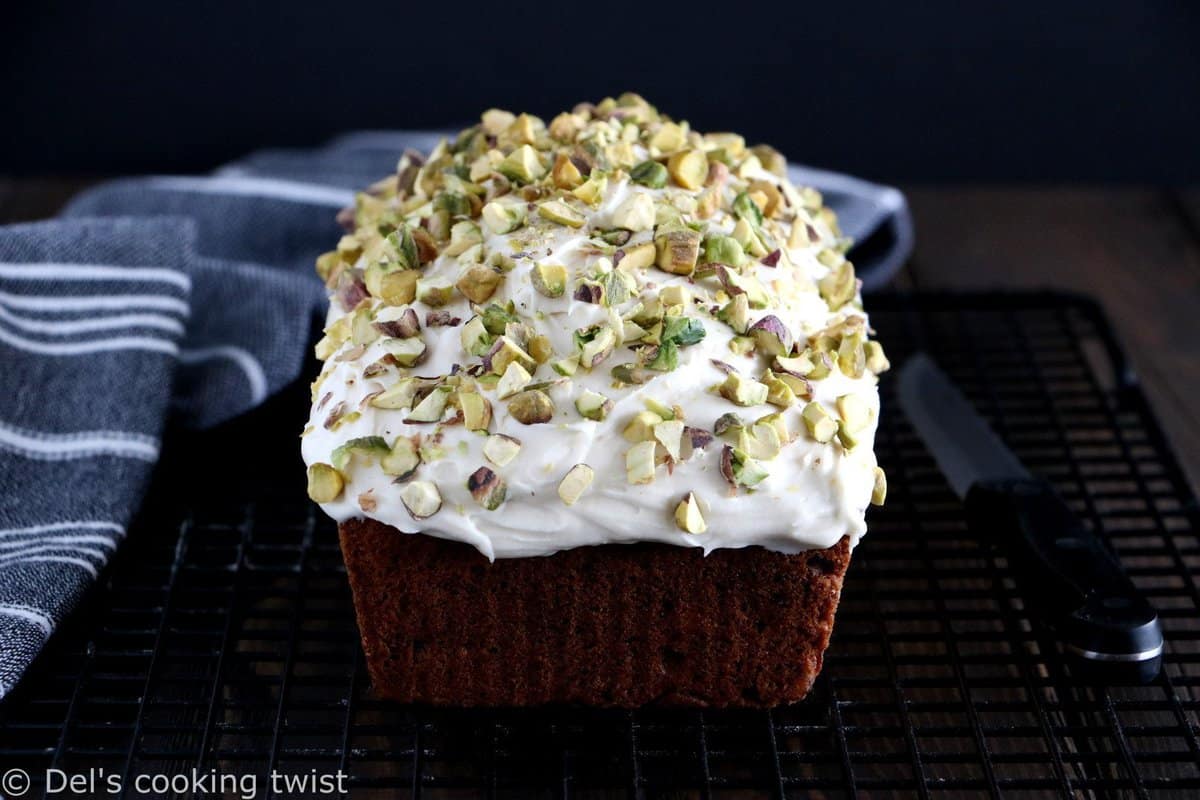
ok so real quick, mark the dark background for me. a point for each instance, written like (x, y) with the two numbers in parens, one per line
(1101, 91)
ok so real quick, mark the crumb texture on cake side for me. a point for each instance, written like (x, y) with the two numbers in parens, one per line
(608, 328)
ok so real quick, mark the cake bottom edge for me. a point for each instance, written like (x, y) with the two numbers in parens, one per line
(617, 625)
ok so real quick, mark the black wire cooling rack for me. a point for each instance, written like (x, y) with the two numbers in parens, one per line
(224, 639)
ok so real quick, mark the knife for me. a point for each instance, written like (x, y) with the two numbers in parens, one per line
(1106, 626)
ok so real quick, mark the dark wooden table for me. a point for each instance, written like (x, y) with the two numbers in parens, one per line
(1137, 250)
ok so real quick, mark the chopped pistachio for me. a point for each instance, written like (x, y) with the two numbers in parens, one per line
(504, 215)
(663, 410)
(640, 462)
(777, 422)
(839, 285)
(396, 288)
(421, 498)
(488, 489)
(560, 212)
(497, 318)
(641, 427)
(847, 437)
(879, 490)
(741, 345)
(723, 250)
(575, 483)
(688, 168)
(665, 356)
(495, 121)
(877, 362)
(501, 449)
(728, 422)
(688, 516)
(475, 337)
(435, 296)
(479, 283)
(821, 425)
(325, 483)
(431, 407)
(761, 440)
(406, 352)
(649, 173)
(398, 395)
(541, 348)
(745, 208)
(564, 173)
(851, 356)
(367, 446)
(668, 138)
(771, 159)
(463, 236)
(404, 326)
(593, 405)
(736, 313)
(522, 165)
(669, 433)
(476, 409)
(402, 460)
(531, 407)
(589, 292)
(779, 392)
(592, 190)
(636, 213)
(739, 469)
(514, 379)
(505, 351)
(638, 256)
(599, 348)
(678, 250)
(630, 374)
(772, 336)
(631, 331)
(854, 412)
(550, 280)
(735, 284)
(743, 391)
(676, 295)
(566, 366)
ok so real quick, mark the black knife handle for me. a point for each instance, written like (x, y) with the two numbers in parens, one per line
(1101, 618)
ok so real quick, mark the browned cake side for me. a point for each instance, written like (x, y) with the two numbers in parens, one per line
(614, 625)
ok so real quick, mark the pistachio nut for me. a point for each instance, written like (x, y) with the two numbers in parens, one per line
(640, 463)
(879, 490)
(325, 483)
(531, 407)
(688, 168)
(514, 379)
(550, 280)
(421, 498)
(501, 449)
(743, 391)
(593, 405)
(402, 460)
(575, 483)
(820, 424)
(488, 489)
(688, 516)
(649, 173)
(476, 411)
(678, 250)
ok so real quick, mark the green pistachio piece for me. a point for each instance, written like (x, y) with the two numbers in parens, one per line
(688, 516)
(421, 498)
(877, 362)
(366, 446)
(641, 427)
(598, 348)
(575, 483)
(531, 407)
(514, 379)
(728, 422)
(406, 352)
(522, 165)
(636, 213)
(398, 395)
(760, 441)
(504, 215)
(325, 483)
(488, 489)
(821, 425)
(772, 336)
(879, 491)
(639, 256)
(640, 462)
(434, 296)
(505, 351)
(736, 313)
(475, 338)
(501, 449)
(663, 410)
(723, 250)
(678, 251)
(566, 366)
(749, 238)
(676, 295)
(550, 280)
(779, 392)
(743, 391)
(649, 173)
(851, 356)
(564, 173)
(541, 348)
(854, 411)
(402, 460)
(669, 433)
(688, 168)
(560, 212)
(740, 469)
(616, 288)
(479, 283)
(431, 407)
(665, 358)
(593, 405)
(630, 374)
(777, 422)
(477, 411)
(668, 138)
(496, 318)
(592, 190)
(846, 437)
(683, 331)
(839, 286)
(463, 236)
(741, 345)
(745, 208)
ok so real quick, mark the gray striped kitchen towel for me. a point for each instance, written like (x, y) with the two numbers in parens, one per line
(190, 296)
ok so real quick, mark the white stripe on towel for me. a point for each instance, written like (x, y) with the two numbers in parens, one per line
(66, 525)
(98, 302)
(273, 188)
(46, 271)
(95, 346)
(66, 327)
(78, 562)
(44, 623)
(255, 374)
(80, 444)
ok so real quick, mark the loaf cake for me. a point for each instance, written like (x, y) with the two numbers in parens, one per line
(596, 416)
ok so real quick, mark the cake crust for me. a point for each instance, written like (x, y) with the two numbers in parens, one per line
(609, 625)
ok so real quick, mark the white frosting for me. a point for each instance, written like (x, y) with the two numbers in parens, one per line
(814, 495)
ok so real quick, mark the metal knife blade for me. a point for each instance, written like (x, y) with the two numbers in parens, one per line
(966, 449)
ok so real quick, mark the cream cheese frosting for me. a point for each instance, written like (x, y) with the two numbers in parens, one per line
(747, 435)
